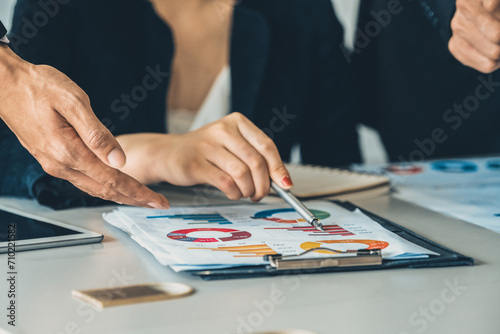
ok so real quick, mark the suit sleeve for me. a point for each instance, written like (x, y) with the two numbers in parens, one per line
(3, 30)
(331, 138)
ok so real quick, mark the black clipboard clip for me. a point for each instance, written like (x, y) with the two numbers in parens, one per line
(361, 257)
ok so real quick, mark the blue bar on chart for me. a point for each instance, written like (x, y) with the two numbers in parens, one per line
(197, 219)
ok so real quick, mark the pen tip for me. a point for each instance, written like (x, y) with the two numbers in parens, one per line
(318, 226)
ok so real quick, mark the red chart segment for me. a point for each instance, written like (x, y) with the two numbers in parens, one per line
(329, 230)
(231, 235)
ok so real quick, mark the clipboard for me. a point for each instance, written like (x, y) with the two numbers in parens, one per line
(362, 260)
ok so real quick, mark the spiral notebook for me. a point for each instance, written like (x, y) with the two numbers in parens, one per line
(314, 181)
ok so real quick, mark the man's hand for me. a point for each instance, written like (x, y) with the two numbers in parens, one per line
(52, 118)
(231, 154)
(476, 34)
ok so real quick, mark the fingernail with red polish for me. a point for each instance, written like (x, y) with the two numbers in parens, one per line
(287, 182)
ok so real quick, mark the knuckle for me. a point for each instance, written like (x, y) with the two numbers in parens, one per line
(77, 98)
(485, 65)
(239, 171)
(71, 102)
(280, 169)
(98, 139)
(465, 5)
(495, 35)
(237, 116)
(203, 151)
(234, 197)
(267, 146)
(134, 193)
(108, 194)
(204, 146)
(111, 185)
(257, 163)
(488, 67)
(261, 193)
(248, 193)
(220, 128)
(83, 97)
(91, 193)
(490, 6)
(461, 4)
(191, 167)
(226, 183)
(452, 45)
(495, 54)
(52, 168)
(69, 153)
(455, 24)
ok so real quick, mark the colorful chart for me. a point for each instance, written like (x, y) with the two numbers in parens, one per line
(405, 169)
(197, 219)
(329, 230)
(454, 166)
(243, 251)
(229, 235)
(347, 245)
(288, 215)
(493, 165)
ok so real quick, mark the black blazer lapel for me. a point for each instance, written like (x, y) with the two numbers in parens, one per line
(248, 58)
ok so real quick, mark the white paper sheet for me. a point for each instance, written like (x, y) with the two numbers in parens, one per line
(222, 236)
(467, 189)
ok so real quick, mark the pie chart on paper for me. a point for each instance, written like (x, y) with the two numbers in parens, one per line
(208, 235)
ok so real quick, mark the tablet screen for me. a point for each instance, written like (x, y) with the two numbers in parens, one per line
(27, 228)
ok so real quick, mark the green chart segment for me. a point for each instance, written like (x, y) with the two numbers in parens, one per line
(275, 212)
(197, 219)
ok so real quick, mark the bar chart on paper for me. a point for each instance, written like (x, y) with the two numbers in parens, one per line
(312, 231)
(243, 251)
(196, 219)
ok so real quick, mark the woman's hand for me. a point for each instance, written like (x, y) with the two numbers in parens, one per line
(231, 154)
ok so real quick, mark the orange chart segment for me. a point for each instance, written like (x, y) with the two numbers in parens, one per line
(243, 251)
(372, 244)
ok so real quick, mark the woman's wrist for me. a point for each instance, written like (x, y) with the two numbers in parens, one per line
(145, 156)
(12, 70)
(161, 150)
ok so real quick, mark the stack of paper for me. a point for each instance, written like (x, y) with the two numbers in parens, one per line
(224, 236)
(467, 189)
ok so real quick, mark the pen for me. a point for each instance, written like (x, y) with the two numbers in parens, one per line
(295, 203)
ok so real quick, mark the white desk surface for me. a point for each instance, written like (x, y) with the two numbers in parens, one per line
(400, 301)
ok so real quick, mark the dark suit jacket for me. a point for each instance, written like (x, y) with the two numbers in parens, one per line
(288, 76)
(422, 100)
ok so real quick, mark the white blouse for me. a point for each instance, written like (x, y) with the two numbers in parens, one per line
(215, 106)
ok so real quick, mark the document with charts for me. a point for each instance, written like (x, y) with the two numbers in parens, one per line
(467, 189)
(235, 235)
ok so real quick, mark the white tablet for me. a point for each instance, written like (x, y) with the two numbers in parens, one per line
(28, 232)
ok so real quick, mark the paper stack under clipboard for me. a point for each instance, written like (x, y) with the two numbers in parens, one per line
(253, 240)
